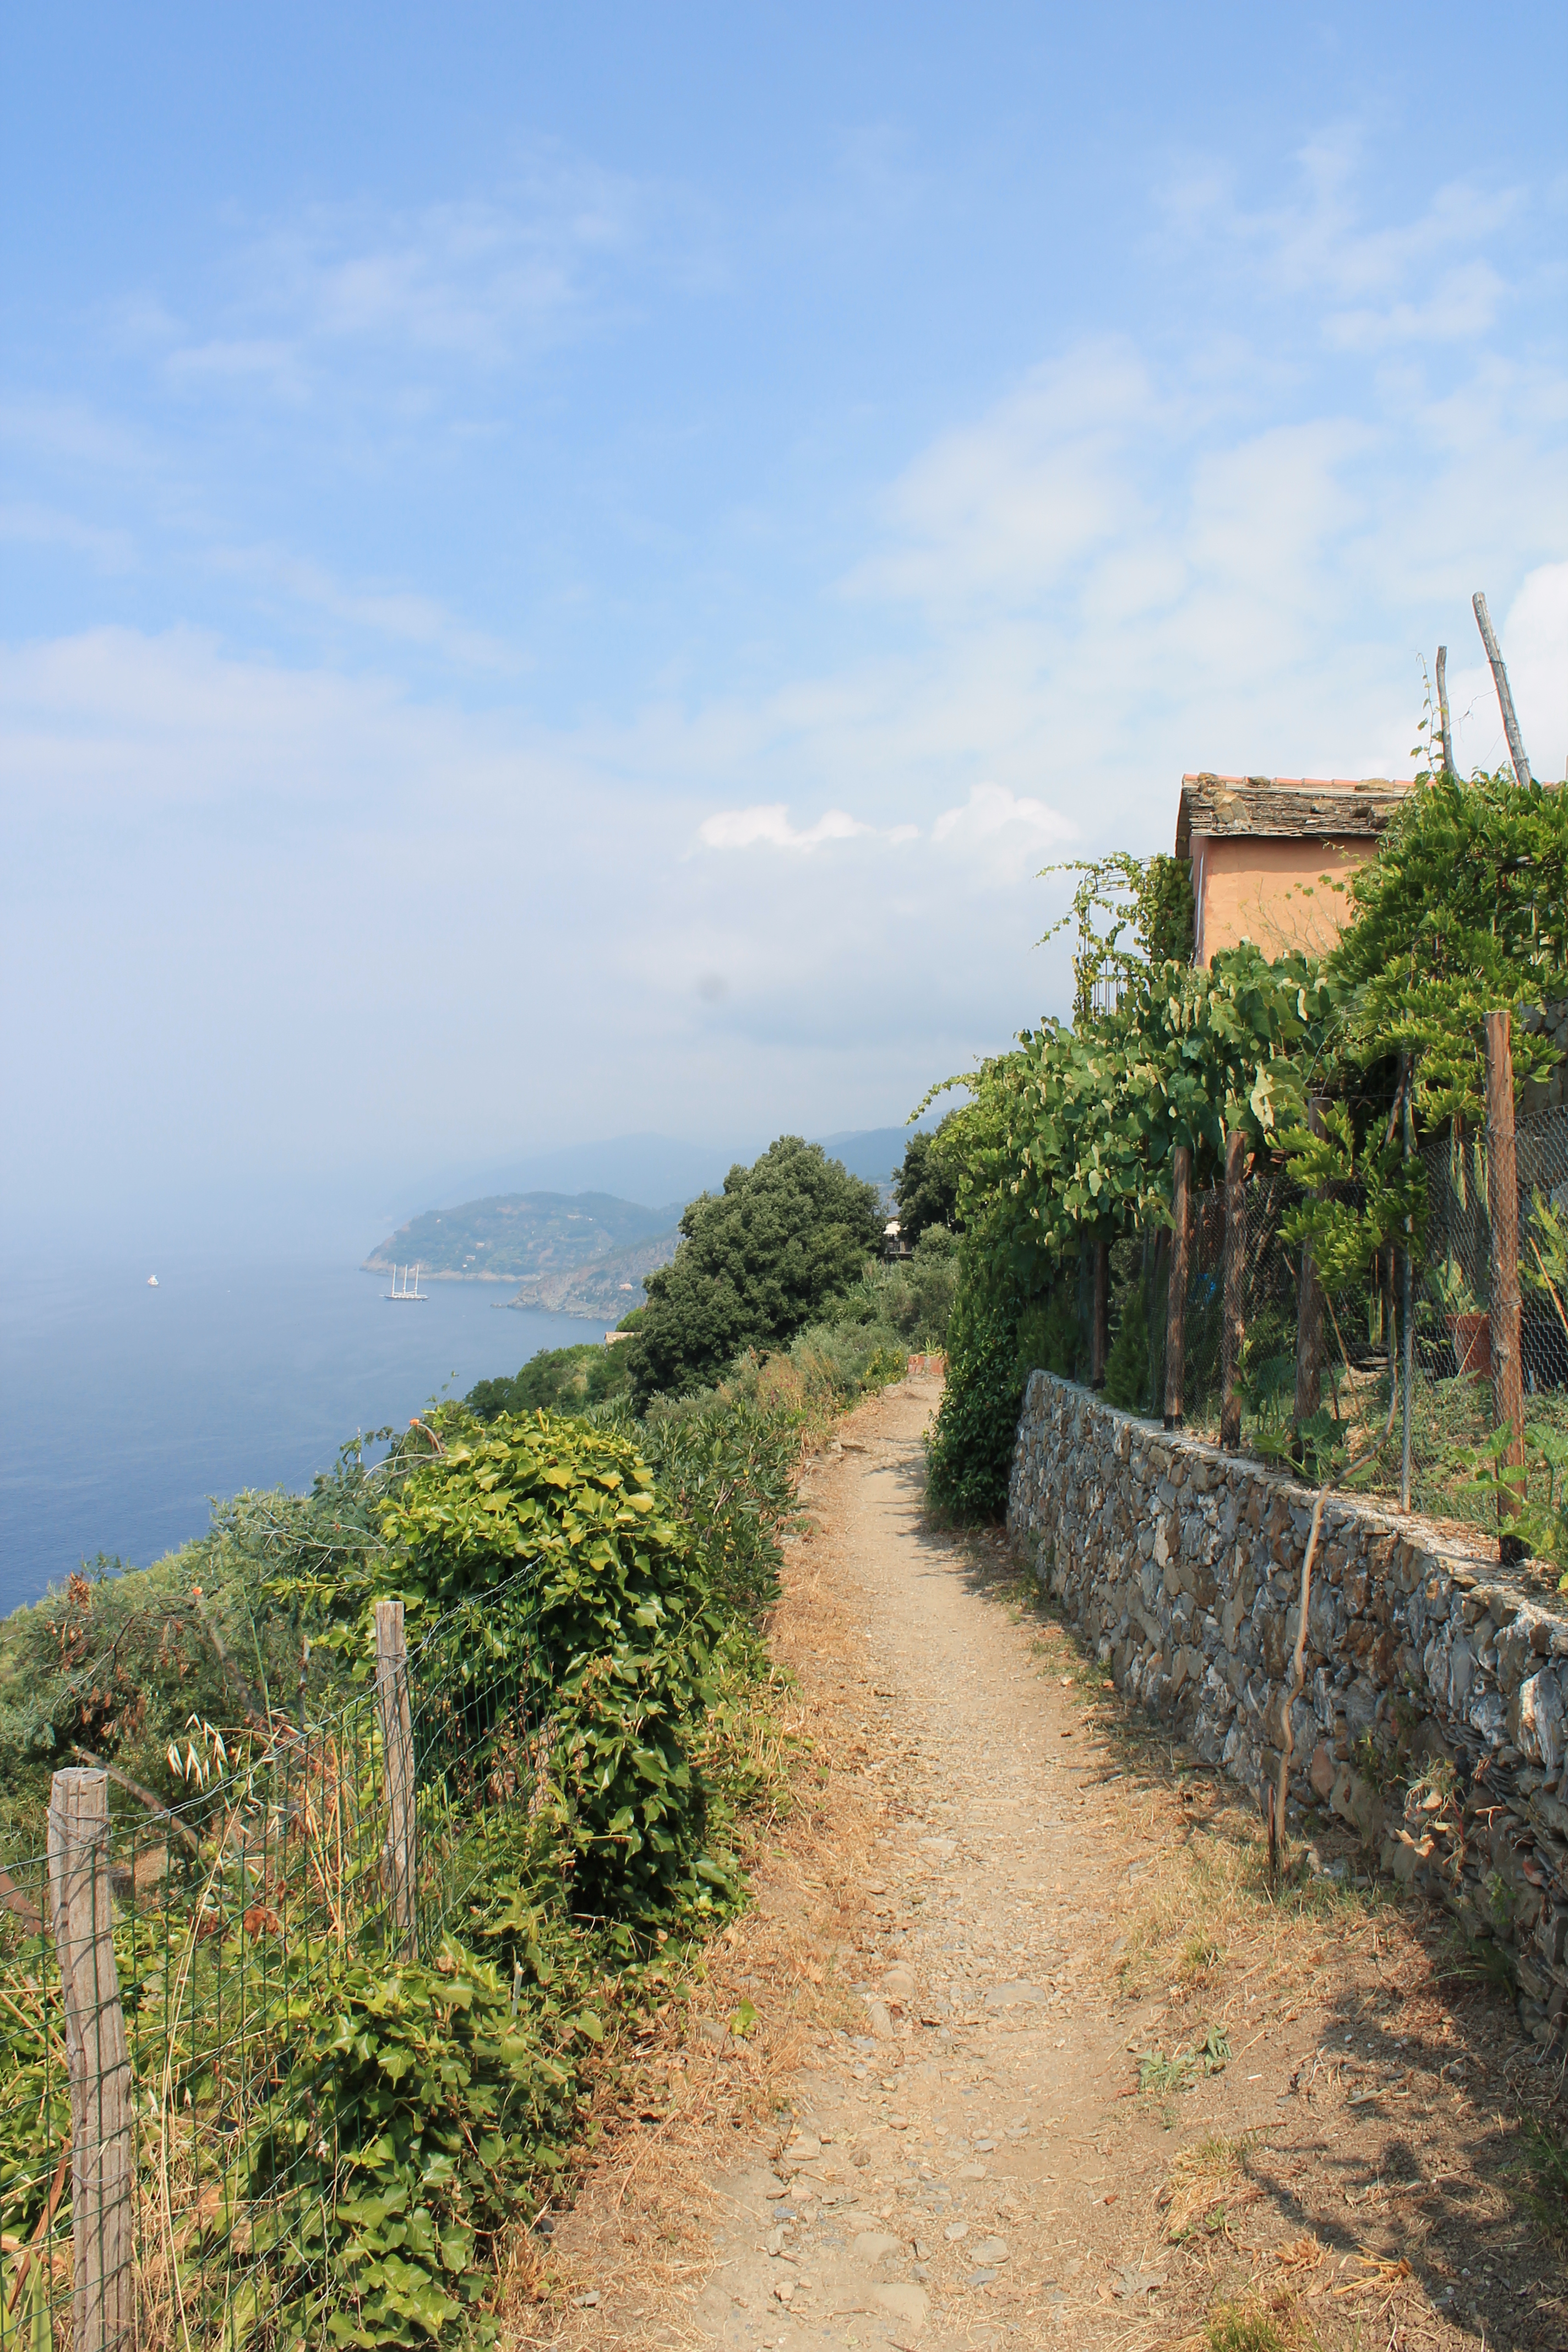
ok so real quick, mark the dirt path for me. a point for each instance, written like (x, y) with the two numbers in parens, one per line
(987, 1908)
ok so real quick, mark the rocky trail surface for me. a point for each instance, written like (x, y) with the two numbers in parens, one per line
(1033, 2060)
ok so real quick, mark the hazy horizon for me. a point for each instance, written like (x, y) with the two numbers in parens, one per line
(566, 572)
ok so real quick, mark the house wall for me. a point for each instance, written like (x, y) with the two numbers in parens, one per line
(1182, 1565)
(1269, 890)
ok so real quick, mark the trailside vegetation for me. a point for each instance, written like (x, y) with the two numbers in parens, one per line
(757, 1262)
(558, 1380)
(1066, 1147)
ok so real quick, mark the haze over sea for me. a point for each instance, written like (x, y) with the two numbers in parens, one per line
(126, 1408)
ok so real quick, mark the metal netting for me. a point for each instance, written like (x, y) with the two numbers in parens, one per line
(1451, 1416)
(200, 1943)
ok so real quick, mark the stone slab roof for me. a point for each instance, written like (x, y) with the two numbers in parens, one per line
(1287, 807)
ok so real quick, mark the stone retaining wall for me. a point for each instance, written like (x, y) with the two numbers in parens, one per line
(1432, 1713)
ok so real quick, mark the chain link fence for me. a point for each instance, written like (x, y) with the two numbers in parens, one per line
(1450, 1415)
(170, 2160)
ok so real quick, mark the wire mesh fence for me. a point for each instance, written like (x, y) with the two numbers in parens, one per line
(1430, 1439)
(169, 2165)
(1360, 1366)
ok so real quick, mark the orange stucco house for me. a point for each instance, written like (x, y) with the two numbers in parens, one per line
(1266, 852)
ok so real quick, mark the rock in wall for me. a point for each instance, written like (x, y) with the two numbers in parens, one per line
(1434, 1713)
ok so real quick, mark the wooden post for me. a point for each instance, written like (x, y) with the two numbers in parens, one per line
(1408, 1304)
(1502, 1201)
(1156, 1258)
(1504, 692)
(1310, 1313)
(103, 2249)
(397, 1746)
(1235, 1326)
(1443, 710)
(1176, 1294)
(1099, 1334)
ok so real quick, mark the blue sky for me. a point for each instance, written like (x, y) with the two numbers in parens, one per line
(565, 570)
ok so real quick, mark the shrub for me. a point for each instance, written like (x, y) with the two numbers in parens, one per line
(969, 1452)
(756, 1263)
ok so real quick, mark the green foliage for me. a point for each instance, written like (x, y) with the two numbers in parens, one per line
(926, 1186)
(420, 2091)
(1359, 1198)
(757, 1263)
(1464, 910)
(910, 1300)
(1127, 1367)
(558, 1380)
(969, 1449)
(623, 1625)
(1150, 899)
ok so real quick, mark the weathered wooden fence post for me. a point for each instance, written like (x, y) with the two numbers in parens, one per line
(1176, 1292)
(1310, 1314)
(1407, 1303)
(102, 2218)
(1502, 1205)
(397, 1746)
(1099, 1334)
(1235, 1328)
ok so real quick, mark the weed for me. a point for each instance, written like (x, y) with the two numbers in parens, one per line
(1207, 2182)
(1540, 2173)
(1179, 2072)
(1200, 1958)
(1243, 2327)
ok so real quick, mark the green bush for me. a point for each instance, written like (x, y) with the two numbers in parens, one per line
(756, 1263)
(558, 1380)
(421, 2090)
(1127, 1367)
(969, 1452)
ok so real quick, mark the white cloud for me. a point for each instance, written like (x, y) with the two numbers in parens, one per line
(29, 524)
(991, 809)
(1463, 305)
(769, 827)
(401, 615)
(1016, 502)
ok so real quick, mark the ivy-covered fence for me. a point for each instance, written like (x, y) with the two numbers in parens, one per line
(204, 2136)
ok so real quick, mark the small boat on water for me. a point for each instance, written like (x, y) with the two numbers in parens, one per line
(400, 1289)
(152, 1282)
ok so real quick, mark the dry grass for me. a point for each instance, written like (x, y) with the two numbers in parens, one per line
(1208, 2184)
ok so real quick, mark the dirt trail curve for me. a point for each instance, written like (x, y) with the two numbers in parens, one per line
(935, 2134)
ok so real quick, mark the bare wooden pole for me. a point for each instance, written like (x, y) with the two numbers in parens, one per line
(1504, 693)
(1176, 1293)
(1157, 1260)
(1099, 1334)
(1309, 1312)
(1503, 1203)
(397, 1745)
(1233, 1331)
(1443, 710)
(1408, 1331)
(102, 2250)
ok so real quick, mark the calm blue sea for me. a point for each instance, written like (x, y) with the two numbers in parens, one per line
(125, 1408)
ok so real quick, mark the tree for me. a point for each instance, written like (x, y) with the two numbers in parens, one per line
(1464, 910)
(926, 1186)
(755, 1263)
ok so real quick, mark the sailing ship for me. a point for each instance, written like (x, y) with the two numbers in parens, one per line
(400, 1284)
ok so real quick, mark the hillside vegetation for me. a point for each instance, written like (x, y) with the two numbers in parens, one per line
(514, 1235)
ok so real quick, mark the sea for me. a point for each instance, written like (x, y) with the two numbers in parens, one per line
(127, 1408)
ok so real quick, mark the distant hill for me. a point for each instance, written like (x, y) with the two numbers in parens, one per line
(515, 1235)
(605, 1289)
(588, 1253)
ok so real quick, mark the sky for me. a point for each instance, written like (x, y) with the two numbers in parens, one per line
(564, 571)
